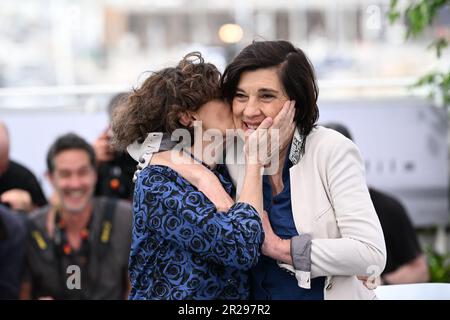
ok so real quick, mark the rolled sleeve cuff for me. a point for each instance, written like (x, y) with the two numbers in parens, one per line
(301, 257)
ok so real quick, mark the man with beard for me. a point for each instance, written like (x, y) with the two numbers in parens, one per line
(79, 248)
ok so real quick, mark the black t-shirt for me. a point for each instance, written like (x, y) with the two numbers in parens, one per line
(103, 272)
(115, 177)
(402, 244)
(19, 177)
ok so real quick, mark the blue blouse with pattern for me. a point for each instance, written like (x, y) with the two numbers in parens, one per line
(183, 247)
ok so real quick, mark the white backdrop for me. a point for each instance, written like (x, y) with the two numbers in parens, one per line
(405, 148)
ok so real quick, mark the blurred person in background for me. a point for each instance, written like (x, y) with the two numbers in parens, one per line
(79, 248)
(19, 188)
(406, 263)
(12, 252)
(115, 169)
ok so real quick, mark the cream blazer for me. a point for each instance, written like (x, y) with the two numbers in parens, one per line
(331, 202)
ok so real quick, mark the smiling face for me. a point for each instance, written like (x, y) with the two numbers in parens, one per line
(74, 179)
(259, 94)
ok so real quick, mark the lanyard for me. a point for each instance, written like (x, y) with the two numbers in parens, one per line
(64, 252)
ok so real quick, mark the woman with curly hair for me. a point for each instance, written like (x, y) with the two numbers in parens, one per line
(183, 246)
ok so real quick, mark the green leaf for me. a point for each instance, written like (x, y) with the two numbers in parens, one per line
(393, 13)
(419, 14)
(439, 266)
(439, 45)
(417, 19)
(393, 4)
(426, 79)
(393, 16)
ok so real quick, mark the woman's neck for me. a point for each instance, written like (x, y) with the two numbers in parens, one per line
(207, 152)
(203, 151)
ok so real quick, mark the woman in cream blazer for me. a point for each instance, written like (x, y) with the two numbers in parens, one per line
(335, 232)
(331, 203)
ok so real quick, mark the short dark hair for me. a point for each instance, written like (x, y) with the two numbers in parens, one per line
(295, 71)
(69, 141)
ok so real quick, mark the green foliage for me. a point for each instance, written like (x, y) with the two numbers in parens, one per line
(419, 15)
(393, 13)
(439, 83)
(439, 45)
(439, 266)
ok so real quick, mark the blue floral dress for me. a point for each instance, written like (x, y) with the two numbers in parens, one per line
(183, 247)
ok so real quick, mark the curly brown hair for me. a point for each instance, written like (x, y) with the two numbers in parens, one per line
(156, 106)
